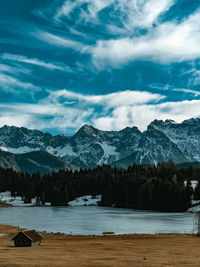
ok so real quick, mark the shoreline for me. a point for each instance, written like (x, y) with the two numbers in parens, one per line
(58, 249)
(7, 227)
(5, 205)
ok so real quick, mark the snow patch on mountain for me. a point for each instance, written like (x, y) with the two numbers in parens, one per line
(61, 151)
(3, 148)
(22, 150)
(109, 150)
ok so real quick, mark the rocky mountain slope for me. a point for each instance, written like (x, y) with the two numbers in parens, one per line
(32, 162)
(89, 147)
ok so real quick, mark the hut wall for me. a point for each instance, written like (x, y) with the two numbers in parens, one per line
(36, 243)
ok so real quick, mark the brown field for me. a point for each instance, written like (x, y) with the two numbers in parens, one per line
(122, 250)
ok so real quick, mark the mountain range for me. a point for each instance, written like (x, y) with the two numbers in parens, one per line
(89, 147)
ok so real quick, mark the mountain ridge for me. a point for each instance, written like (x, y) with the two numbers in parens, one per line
(89, 147)
(33, 161)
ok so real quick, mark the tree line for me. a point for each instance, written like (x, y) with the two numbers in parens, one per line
(161, 187)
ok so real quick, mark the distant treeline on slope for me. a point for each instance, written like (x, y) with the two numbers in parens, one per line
(160, 188)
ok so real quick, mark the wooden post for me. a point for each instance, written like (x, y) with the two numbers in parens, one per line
(198, 223)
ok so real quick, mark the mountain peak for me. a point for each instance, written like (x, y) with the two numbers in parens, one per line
(170, 121)
(161, 123)
(133, 129)
(155, 124)
(7, 127)
(87, 127)
(87, 130)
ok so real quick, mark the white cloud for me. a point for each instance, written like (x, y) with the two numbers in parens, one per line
(142, 115)
(108, 100)
(131, 13)
(167, 43)
(163, 42)
(43, 116)
(34, 61)
(58, 40)
(63, 109)
(119, 119)
(12, 119)
(138, 13)
(104, 112)
(9, 83)
(93, 8)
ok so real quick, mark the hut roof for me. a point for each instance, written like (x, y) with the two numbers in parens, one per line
(31, 234)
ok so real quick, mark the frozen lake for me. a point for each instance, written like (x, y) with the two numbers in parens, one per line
(96, 220)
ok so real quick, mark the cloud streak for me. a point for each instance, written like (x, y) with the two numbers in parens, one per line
(108, 100)
(58, 40)
(35, 61)
(86, 14)
(10, 84)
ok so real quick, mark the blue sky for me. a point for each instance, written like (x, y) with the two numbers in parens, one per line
(108, 63)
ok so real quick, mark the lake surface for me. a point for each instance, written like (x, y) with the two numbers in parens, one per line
(96, 220)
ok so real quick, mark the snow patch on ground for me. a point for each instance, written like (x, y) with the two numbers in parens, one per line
(195, 202)
(87, 200)
(194, 209)
(193, 183)
(7, 198)
(15, 201)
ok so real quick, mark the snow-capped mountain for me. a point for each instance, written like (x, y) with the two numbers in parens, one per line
(186, 135)
(89, 147)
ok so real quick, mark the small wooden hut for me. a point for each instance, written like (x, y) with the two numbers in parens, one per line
(29, 238)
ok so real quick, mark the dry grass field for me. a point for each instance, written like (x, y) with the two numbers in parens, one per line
(121, 250)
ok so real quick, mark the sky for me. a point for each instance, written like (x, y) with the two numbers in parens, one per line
(107, 63)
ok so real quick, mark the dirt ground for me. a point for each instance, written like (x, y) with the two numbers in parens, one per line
(122, 250)
(4, 205)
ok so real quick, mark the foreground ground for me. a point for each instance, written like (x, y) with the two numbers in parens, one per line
(123, 250)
